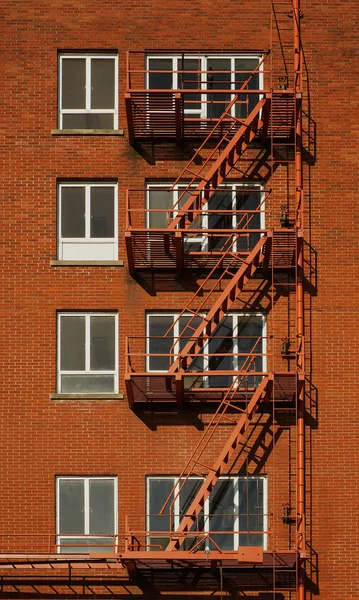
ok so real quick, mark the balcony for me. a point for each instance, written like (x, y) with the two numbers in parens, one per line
(203, 377)
(181, 95)
(205, 238)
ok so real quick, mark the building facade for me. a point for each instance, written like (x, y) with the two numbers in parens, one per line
(178, 300)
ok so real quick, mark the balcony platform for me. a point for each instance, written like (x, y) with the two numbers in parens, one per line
(169, 250)
(160, 115)
(160, 391)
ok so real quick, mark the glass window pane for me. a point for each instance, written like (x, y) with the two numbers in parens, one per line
(158, 491)
(73, 212)
(86, 545)
(103, 83)
(159, 200)
(102, 349)
(101, 509)
(72, 354)
(187, 495)
(102, 212)
(251, 510)
(218, 78)
(160, 81)
(222, 509)
(87, 121)
(246, 64)
(87, 384)
(248, 201)
(73, 83)
(158, 326)
(71, 509)
(190, 81)
(221, 350)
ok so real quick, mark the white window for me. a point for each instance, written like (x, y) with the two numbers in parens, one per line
(88, 91)
(237, 508)
(204, 73)
(86, 514)
(232, 206)
(238, 343)
(87, 353)
(87, 221)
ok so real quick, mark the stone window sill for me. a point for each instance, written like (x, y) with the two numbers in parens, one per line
(86, 263)
(87, 132)
(86, 396)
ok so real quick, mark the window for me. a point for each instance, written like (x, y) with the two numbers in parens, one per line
(237, 343)
(87, 353)
(86, 519)
(245, 201)
(237, 507)
(204, 73)
(87, 221)
(88, 91)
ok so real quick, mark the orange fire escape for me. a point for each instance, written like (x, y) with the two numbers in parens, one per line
(275, 123)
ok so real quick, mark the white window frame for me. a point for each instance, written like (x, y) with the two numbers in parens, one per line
(61, 538)
(206, 527)
(203, 239)
(88, 110)
(108, 241)
(176, 66)
(87, 370)
(235, 316)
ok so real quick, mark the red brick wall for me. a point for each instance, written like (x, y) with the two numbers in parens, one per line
(42, 438)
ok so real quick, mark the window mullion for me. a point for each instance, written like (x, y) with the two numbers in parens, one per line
(87, 215)
(235, 510)
(87, 343)
(88, 83)
(176, 507)
(87, 505)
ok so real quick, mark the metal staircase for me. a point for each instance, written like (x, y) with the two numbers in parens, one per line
(230, 446)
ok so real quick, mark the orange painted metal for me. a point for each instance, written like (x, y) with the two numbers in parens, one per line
(250, 554)
(229, 448)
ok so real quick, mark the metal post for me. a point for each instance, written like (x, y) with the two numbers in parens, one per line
(299, 303)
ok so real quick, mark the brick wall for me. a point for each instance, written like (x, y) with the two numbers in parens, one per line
(42, 437)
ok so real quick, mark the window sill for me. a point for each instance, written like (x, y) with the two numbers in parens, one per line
(86, 263)
(87, 132)
(86, 396)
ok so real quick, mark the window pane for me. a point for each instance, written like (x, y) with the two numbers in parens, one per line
(251, 510)
(222, 344)
(161, 81)
(90, 384)
(248, 201)
(72, 502)
(73, 212)
(158, 491)
(102, 83)
(220, 80)
(102, 212)
(221, 200)
(87, 121)
(85, 545)
(221, 507)
(187, 495)
(190, 81)
(101, 506)
(102, 354)
(160, 345)
(159, 200)
(246, 64)
(72, 343)
(73, 83)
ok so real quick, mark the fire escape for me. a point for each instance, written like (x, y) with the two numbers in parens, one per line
(225, 266)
